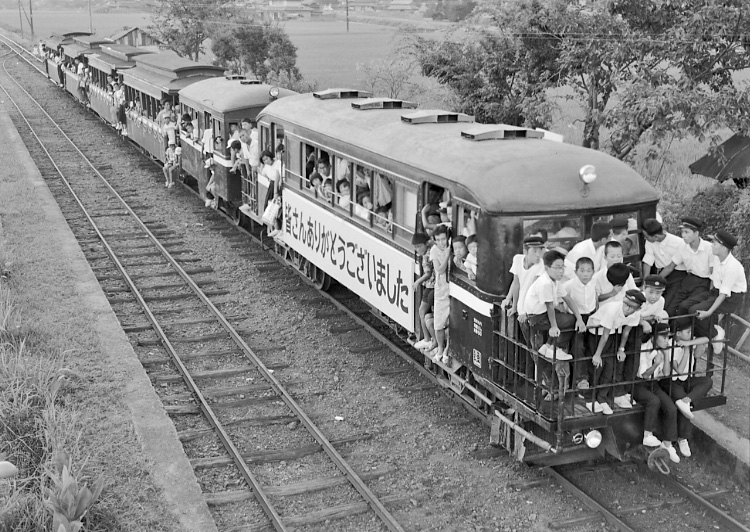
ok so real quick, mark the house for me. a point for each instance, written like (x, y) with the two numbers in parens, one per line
(363, 5)
(285, 9)
(137, 37)
(314, 6)
(401, 6)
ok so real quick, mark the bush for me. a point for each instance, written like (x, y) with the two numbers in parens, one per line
(714, 206)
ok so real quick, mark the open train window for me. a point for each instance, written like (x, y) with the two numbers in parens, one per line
(563, 231)
(625, 231)
(435, 203)
(404, 211)
(342, 178)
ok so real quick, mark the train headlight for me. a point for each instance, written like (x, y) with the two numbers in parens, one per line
(587, 174)
(274, 93)
(593, 439)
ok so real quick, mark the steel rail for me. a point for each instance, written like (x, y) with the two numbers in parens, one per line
(354, 479)
(587, 500)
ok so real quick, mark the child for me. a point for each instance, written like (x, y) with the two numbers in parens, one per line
(684, 387)
(648, 392)
(344, 194)
(471, 260)
(526, 269)
(543, 303)
(328, 189)
(611, 318)
(613, 285)
(440, 255)
(169, 129)
(459, 251)
(592, 247)
(583, 292)
(170, 163)
(422, 245)
(653, 309)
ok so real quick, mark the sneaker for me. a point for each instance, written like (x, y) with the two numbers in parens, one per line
(718, 340)
(446, 359)
(623, 402)
(684, 407)
(422, 344)
(582, 385)
(208, 203)
(433, 355)
(672, 452)
(606, 409)
(558, 353)
(649, 440)
(411, 340)
(544, 350)
(430, 347)
(274, 233)
(594, 407)
(684, 448)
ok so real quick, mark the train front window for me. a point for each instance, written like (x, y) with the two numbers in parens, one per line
(625, 231)
(559, 231)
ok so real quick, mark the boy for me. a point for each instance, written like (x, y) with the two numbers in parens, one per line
(471, 260)
(459, 251)
(653, 309)
(728, 283)
(422, 245)
(170, 163)
(592, 247)
(583, 292)
(613, 284)
(696, 257)
(684, 387)
(543, 303)
(345, 193)
(620, 234)
(526, 269)
(660, 248)
(440, 255)
(612, 318)
(656, 400)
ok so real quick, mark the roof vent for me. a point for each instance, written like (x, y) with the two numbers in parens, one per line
(435, 117)
(232, 77)
(250, 82)
(500, 132)
(383, 103)
(340, 94)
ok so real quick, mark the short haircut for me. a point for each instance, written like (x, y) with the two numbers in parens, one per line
(440, 230)
(280, 148)
(471, 239)
(266, 153)
(246, 120)
(584, 261)
(236, 145)
(551, 256)
(611, 244)
(328, 182)
(342, 183)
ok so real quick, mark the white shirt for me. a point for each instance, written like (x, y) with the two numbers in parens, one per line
(728, 276)
(526, 277)
(603, 286)
(583, 294)
(648, 354)
(544, 290)
(208, 141)
(698, 262)
(661, 253)
(471, 263)
(672, 359)
(654, 310)
(268, 175)
(611, 316)
(254, 155)
(584, 248)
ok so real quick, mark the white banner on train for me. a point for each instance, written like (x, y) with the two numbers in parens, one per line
(376, 272)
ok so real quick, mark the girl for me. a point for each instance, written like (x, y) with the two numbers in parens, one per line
(269, 177)
(440, 255)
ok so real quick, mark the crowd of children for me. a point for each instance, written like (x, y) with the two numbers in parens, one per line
(626, 343)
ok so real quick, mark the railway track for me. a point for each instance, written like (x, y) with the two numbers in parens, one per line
(600, 505)
(157, 276)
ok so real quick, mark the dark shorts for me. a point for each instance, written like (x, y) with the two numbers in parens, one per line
(428, 296)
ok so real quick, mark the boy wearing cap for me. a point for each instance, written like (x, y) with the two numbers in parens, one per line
(592, 247)
(170, 163)
(728, 283)
(684, 387)
(661, 246)
(620, 234)
(612, 318)
(421, 243)
(526, 268)
(612, 280)
(653, 309)
(696, 257)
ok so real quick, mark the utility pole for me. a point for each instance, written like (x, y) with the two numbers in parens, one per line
(31, 21)
(91, 23)
(20, 18)
(347, 16)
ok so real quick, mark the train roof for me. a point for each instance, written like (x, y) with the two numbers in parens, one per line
(115, 56)
(224, 94)
(165, 72)
(521, 175)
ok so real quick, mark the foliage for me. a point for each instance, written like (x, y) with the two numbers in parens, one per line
(66, 499)
(390, 77)
(739, 224)
(183, 25)
(292, 81)
(262, 49)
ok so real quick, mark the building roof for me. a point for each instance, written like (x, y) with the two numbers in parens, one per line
(223, 95)
(127, 30)
(502, 176)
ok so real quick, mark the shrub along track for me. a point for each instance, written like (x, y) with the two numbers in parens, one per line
(280, 318)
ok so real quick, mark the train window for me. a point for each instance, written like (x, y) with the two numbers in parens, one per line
(295, 166)
(466, 220)
(362, 192)
(382, 201)
(404, 210)
(625, 231)
(278, 135)
(563, 231)
(342, 178)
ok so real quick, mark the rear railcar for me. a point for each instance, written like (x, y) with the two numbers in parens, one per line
(81, 48)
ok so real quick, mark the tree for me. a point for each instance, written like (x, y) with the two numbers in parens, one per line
(262, 49)
(182, 25)
(390, 77)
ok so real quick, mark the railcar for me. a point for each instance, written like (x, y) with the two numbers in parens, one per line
(107, 66)
(156, 78)
(504, 183)
(55, 44)
(81, 48)
(217, 104)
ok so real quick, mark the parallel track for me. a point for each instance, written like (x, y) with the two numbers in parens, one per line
(87, 182)
(561, 475)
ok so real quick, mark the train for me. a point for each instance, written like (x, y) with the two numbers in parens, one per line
(502, 183)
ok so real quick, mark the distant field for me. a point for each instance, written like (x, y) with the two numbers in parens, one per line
(326, 52)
